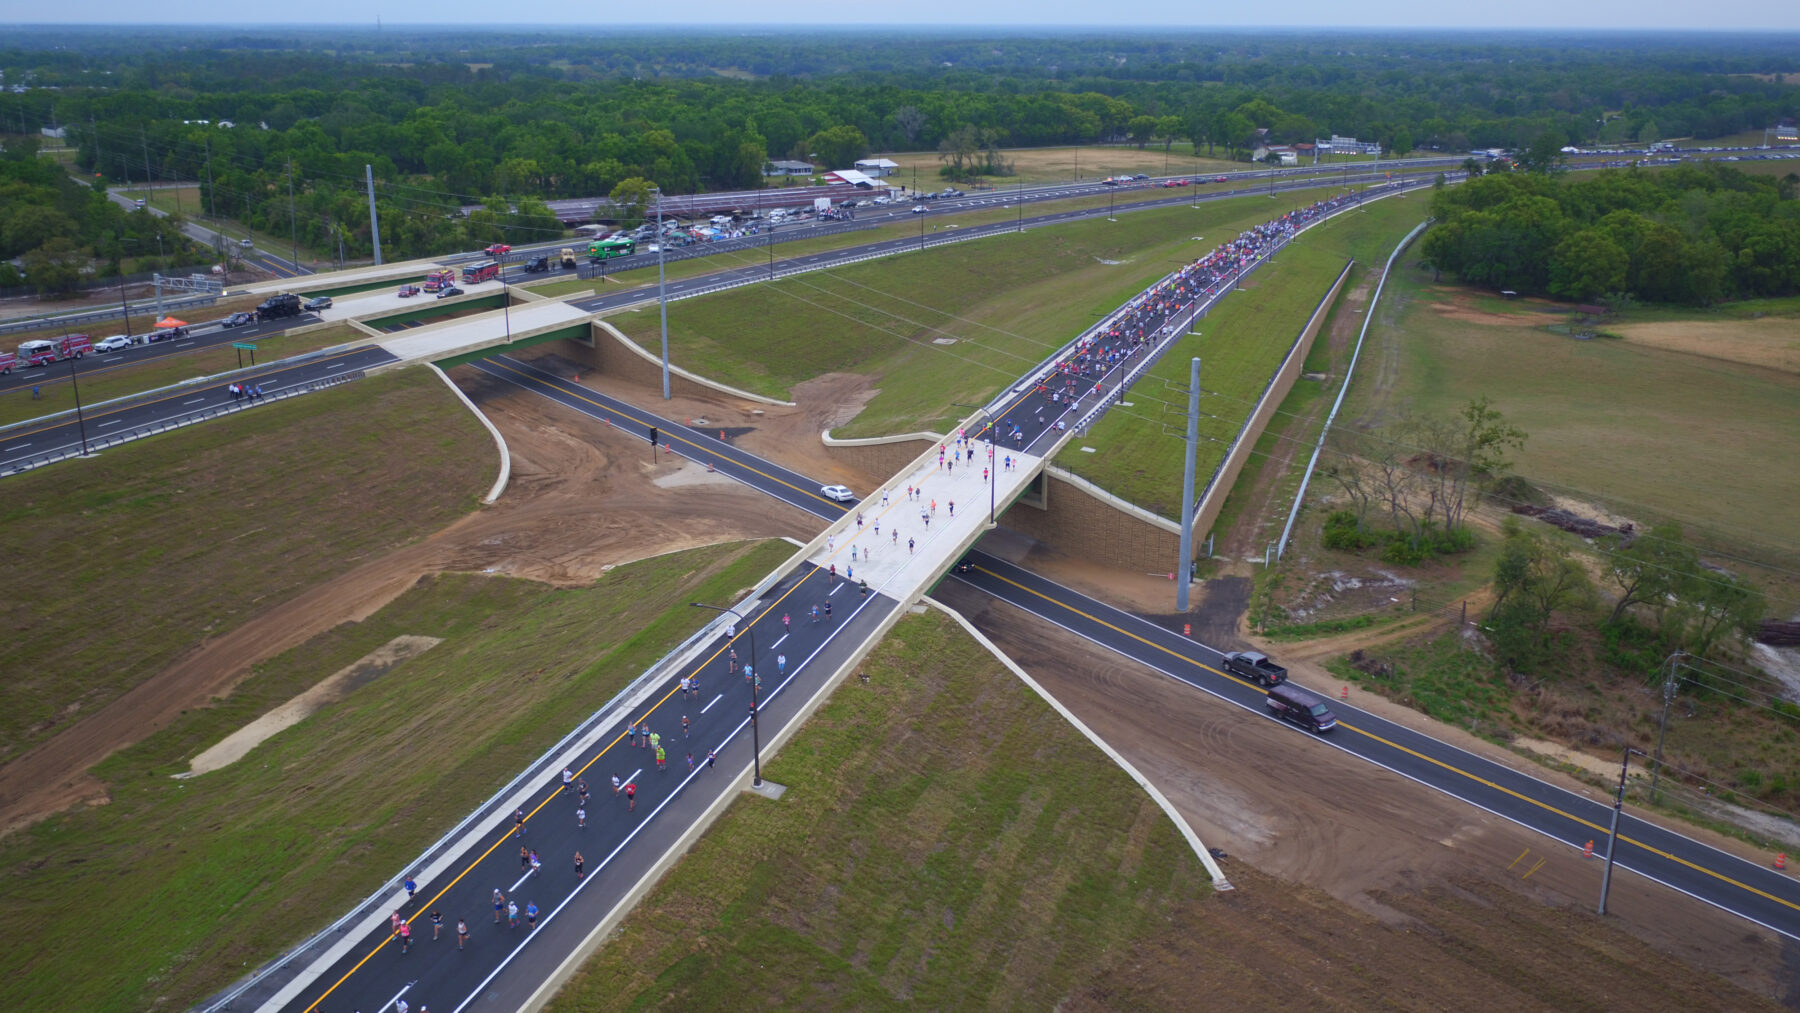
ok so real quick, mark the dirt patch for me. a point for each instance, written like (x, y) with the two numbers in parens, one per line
(1771, 343)
(1414, 863)
(1460, 305)
(582, 499)
(336, 686)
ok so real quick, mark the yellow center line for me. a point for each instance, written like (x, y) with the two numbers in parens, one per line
(470, 867)
(1415, 753)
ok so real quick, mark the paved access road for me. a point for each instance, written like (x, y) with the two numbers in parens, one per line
(503, 965)
(65, 433)
(1762, 895)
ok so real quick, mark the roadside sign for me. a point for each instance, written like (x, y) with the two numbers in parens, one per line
(241, 345)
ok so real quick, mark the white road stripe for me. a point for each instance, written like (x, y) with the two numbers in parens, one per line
(111, 422)
(194, 401)
(18, 446)
(777, 643)
(715, 699)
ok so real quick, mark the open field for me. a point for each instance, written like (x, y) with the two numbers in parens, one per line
(198, 878)
(953, 324)
(946, 841)
(119, 564)
(1060, 165)
(1241, 344)
(119, 381)
(1645, 432)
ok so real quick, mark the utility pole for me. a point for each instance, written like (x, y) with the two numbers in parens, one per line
(293, 223)
(148, 188)
(662, 295)
(1662, 728)
(212, 199)
(374, 220)
(1185, 562)
(1612, 833)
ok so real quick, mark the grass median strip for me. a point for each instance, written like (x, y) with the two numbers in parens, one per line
(196, 880)
(119, 563)
(947, 841)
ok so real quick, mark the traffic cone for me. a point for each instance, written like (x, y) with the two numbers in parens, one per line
(1344, 694)
(1780, 861)
(1588, 852)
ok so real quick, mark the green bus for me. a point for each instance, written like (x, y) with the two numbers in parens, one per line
(606, 249)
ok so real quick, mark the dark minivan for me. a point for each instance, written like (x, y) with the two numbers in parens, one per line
(1291, 703)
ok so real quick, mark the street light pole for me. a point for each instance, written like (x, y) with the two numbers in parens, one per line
(80, 424)
(993, 476)
(755, 697)
(662, 295)
(1612, 833)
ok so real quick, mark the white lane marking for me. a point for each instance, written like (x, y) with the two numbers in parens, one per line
(390, 1003)
(714, 700)
(777, 643)
(834, 590)
(115, 358)
(194, 401)
(183, 344)
(110, 422)
(337, 367)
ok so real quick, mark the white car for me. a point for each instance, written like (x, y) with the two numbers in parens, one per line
(918, 209)
(112, 344)
(838, 492)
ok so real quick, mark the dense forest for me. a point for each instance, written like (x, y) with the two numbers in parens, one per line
(450, 118)
(1690, 234)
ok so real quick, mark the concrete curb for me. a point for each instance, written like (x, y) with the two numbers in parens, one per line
(1123, 506)
(643, 353)
(829, 440)
(1212, 867)
(499, 441)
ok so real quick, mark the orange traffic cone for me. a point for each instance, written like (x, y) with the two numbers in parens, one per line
(1780, 861)
(1588, 852)
(1344, 694)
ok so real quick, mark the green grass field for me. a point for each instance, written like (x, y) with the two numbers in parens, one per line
(952, 324)
(119, 563)
(946, 841)
(58, 394)
(1240, 345)
(176, 887)
(1651, 433)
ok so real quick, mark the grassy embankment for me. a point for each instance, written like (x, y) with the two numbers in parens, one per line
(1241, 343)
(150, 374)
(997, 305)
(195, 880)
(947, 841)
(185, 201)
(118, 564)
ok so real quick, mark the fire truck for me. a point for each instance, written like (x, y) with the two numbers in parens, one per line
(44, 352)
(476, 273)
(440, 280)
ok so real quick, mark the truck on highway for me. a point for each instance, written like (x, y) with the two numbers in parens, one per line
(275, 307)
(438, 280)
(1255, 665)
(45, 351)
(606, 249)
(7, 361)
(474, 274)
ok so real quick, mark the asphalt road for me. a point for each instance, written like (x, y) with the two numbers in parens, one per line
(63, 434)
(199, 336)
(280, 267)
(1751, 891)
(502, 965)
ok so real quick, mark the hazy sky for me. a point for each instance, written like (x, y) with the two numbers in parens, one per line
(1616, 15)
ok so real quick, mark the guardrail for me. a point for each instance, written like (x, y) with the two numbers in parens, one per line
(164, 425)
(1368, 315)
(95, 316)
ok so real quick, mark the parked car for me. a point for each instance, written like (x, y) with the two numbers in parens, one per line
(449, 290)
(841, 494)
(112, 344)
(408, 291)
(238, 320)
(316, 303)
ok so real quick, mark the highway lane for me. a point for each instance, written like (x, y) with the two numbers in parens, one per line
(502, 965)
(1754, 892)
(199, 336)
(64, 434)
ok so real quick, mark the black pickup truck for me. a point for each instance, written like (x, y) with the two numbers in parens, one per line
(1255, 665)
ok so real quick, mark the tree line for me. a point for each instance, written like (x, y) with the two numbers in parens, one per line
(1688, 234)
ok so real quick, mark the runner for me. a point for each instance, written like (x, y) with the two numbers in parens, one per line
(616, 783)
(499, 904)
(580, 866)
(580, 818)
(531, 914)
(462, 932)
(684, 726)
(828, 611)
(631, 797)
